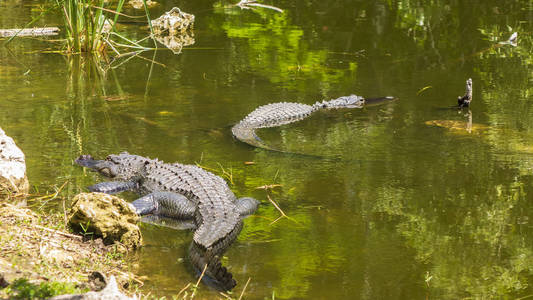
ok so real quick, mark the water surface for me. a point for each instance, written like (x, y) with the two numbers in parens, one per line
(383, 207)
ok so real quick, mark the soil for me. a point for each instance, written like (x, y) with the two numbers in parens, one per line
(40, 248)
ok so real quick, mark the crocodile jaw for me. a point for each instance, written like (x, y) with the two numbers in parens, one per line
(103, 167)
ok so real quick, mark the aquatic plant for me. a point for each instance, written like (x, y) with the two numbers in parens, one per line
(89, 25)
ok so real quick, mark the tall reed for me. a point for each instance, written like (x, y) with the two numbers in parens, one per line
(87, 26)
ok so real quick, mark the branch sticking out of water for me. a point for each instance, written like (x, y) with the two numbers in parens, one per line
(251, 4)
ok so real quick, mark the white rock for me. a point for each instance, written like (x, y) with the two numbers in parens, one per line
(12, 165)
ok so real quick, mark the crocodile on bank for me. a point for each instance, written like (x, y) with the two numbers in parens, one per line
(281, 113)
(181, 192)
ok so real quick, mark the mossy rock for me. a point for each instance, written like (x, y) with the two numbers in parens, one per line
(107, 216)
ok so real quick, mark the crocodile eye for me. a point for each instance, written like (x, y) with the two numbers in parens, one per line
(105, 172)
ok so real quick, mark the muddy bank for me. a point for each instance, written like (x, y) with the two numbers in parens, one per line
(38, 248)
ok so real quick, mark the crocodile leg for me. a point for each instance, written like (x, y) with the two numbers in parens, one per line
(169, 222)
(246, 206)
(166, 204)
(113, 187)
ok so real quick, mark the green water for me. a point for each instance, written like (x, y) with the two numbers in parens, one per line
(404, 211)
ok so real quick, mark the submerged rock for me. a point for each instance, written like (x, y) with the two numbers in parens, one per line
(12, 166)
(108, 216)
(173, 22)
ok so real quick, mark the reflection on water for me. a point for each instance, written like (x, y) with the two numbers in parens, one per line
(409, 211)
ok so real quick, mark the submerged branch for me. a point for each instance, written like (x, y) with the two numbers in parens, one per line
(37, 31)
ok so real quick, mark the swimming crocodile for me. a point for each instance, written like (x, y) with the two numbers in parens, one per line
(181, 192)
(277, 114)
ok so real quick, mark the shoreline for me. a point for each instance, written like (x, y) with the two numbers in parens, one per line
(40, 249)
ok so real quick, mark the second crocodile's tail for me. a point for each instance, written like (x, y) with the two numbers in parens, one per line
(248, 136)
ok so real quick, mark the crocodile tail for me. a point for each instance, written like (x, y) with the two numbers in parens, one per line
(247, 135)
(215, 275)
(246, 206)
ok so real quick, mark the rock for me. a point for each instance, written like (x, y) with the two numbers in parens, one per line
(97, 281)
(173, 22)
(110, 292)
(108, 216)
(12, 167)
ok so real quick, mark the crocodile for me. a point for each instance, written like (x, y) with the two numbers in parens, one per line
(282, 113)
(183, 192)
(464, 101)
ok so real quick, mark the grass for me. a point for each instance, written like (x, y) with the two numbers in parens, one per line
(22, 288)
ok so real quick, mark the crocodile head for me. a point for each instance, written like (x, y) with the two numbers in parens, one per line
(123, 166)
(354, 101)
(344, 101)
(379, 100)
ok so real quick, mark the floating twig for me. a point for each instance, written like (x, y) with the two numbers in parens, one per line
(49, 197)
(244, 289)
(423, 89)
(268, 186)
(265, 242)
(228, 175)
(283, 215)
(250, 4)
(276, 175)
(198, 282)
(183, 290)
(226, 296)
(279, 209)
